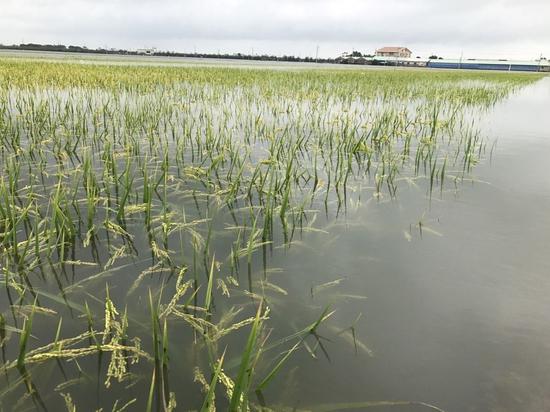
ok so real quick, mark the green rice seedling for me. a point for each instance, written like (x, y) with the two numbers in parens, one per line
(157, 372)
(271, 375)
(209, 400)
(243, 381)
(23, 339)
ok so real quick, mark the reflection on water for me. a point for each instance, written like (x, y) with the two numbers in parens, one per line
(459, 315)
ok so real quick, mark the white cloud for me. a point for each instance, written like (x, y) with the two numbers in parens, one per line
(494, 28)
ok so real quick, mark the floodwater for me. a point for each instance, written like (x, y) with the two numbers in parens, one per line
(460, 316)
(448, 296)
(136, 60)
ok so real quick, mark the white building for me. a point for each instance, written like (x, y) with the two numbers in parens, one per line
(148, 52)
(394, 52)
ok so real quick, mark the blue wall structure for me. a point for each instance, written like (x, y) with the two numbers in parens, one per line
(484, 66)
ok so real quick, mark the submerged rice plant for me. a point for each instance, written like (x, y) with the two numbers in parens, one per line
(140, 207)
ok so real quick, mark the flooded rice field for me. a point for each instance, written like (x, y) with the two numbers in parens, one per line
(215, 238)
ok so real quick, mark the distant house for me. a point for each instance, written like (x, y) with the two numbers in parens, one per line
(148, 52)
(394, 52)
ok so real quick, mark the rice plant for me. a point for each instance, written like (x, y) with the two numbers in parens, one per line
(149, 200)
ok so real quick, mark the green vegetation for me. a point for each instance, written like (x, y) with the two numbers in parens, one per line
(139, 207)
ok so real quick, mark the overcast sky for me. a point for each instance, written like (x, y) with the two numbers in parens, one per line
(474, 28)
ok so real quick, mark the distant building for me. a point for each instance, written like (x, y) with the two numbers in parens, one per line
(353, 58)
(148, 52)
(503, 64)
(394, 52)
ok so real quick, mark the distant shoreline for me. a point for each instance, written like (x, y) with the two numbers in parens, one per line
(123, 52)
(344, 62)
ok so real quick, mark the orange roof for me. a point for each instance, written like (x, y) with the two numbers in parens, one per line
(392, 49)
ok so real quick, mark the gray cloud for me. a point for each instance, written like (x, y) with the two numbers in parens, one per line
(493, 28)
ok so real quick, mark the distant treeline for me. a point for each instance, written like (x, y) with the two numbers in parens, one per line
(240, 56)
(62, 48)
